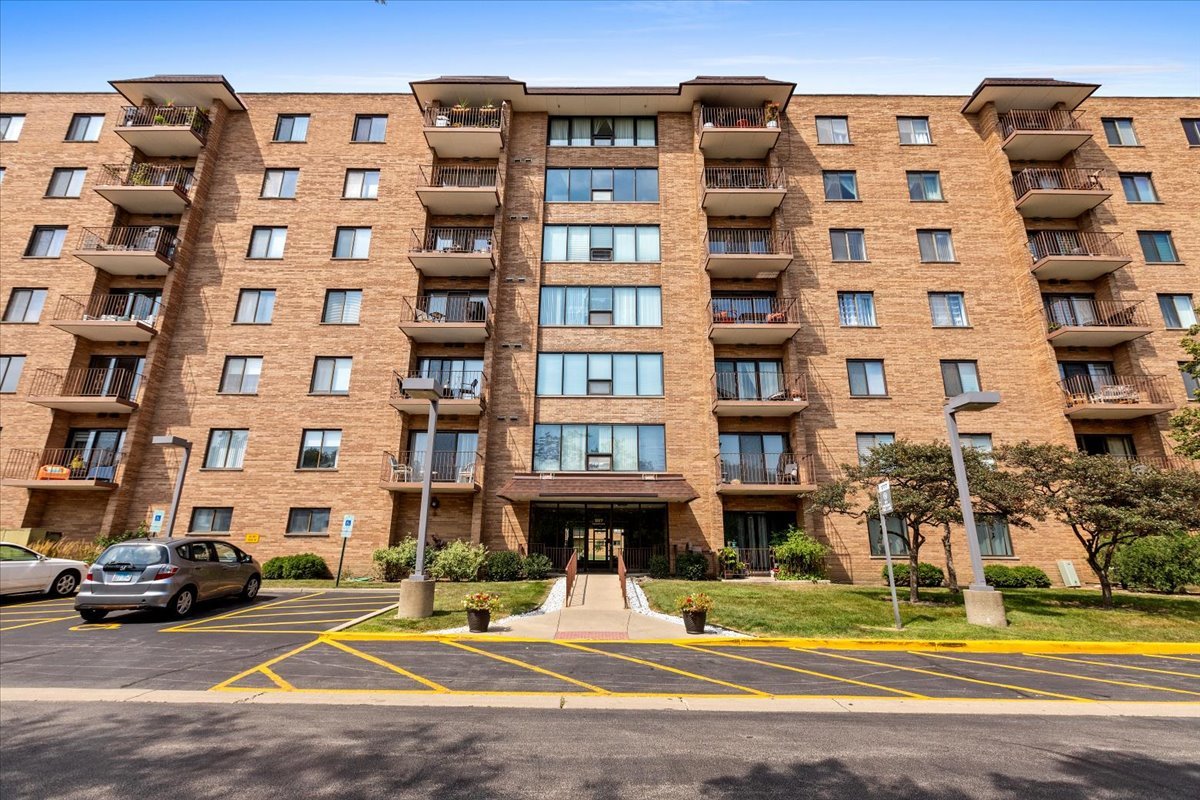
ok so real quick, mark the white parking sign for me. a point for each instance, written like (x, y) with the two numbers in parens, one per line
(885, 497)
(347, 526)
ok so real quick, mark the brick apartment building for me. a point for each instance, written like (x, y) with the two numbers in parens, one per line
(662, 315)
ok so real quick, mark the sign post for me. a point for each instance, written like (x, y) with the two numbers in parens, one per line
(883, 498)
(347, 529)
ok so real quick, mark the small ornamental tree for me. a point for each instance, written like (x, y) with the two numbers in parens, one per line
(1108, 502)
(1185, 426)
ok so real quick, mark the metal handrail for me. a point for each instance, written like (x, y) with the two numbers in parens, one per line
(1041, 119)
(637, 559)
(192, 117)
(773, 469)
(460, 177)
(1043, 244)
(621, 579)
(76, 463)
(754, 310)
(744, 178)
(763, 116)
(141, 173)
(463, 117)
(1083, 390)
(462, 385)
(453, 240)
(747, 241)
(453, 308)
(108, 308)
(572, 571)
(121, 384)
(783, 387)
(1057, 179)
(152, 238)
(1087, 313)
(559, 556)
(447, 466)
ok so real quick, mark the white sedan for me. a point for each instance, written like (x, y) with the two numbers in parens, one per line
(23, 570)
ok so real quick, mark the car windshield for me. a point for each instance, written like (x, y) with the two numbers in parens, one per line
(136, 555)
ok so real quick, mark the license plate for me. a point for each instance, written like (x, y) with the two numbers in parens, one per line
(123, 577)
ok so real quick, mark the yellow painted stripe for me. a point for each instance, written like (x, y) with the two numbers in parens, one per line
(437, 687)
(274, 676)
(36, 612)
(1118, 666)
(526, 665)
(269, 662)
(662, 667)
(58, 601)
(1063, 674)
(227, 625)
(789, 668)
(1173, 658)
(254, 629)
(31, 624)
(237, 613)
(937, 674)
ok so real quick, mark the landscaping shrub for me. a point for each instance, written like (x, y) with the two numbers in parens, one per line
(1005, 577)
(105, 540)
(660, 567)
(1159, 563)
(301, 566)
(504, 565)
(799, 556)
(399, 561)
(538, 566)
(458, 561)
(691, 566)
(927, 574)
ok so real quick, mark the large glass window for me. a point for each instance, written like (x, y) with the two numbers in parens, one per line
(319, 449)
(370, 128)
(897, 541)
(1191, 384)
(601, 305)
(750, 379)
(856, 309)
(10, 127)
(1178, 310)
(342, 307)
(866, 442)
(617, 448)
(352, 243)
(866, 378)
(627, 243)
(959, 377)
(291, 128)
(841, 185)
(267, 242)
(1119, 132)
(46, 241)
(914, 130)
(25, 305)
(85, 127)
(66, 182)
(280, 183)
(833, 130)
(314, 521)
(454, 456)
(1119, 445)
(757, 458)
(925, 186)
(10, 373)
(935, 246)
(1191, 130)
(602, 132)
(1139, 187)
(948, 309)
(1158, 247)
(255, 307)
(226, 448)
(616, 374)
(848, 244)
(211, 520)
(994, 537)
(331, 375)
(361, 184)
(459, 377)
(241, 374)
(602, 185)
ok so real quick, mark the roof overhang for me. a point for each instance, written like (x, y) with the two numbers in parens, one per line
(578, 487)
(1027, 93)
(182, 90)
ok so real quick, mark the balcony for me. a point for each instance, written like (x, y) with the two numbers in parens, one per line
(62, 469)
(1142, 463)
(759, 394)
(142, 250)
(453, 252)
(743, 191)
(108, 317)
(765, 474)
(753, 320)
(87, 390)
(1075, 255)
(462, 393)
(161, 131)
(460, 190)
(1115, 396)
(746, 252)
(1048, 134)
(727, 132)
(457, 318)
(450, 473)
(1058, 193)
(465, 132)
(146, 188)
(1094, 323)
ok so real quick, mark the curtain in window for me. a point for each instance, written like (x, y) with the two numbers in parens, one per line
(577, 305)
(581, 131)
(623, 132)
(579, 243)
(625, 306)
(554, 243)
(625, 448)
(770, 378)
(560, 132)
(624, 244)
(553, 307)
(647, 243)
(649, 300)
(652, 448)
(574, 446)
(645, 133)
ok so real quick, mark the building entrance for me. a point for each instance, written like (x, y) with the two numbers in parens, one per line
(599, 532)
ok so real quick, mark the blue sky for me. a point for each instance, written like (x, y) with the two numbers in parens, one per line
(1132, 48)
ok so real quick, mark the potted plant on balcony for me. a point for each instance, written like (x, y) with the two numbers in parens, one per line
(771, 112)
(731, 565)
(694, 608)
(488, 107)
(480, 606)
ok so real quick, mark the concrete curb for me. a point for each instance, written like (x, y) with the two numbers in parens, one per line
(363, 618)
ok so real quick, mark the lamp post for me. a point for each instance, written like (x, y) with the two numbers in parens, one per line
(416, 593)
(175, 441)
(984, 605)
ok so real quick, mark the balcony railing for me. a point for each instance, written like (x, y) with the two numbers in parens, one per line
(744, 178)
(1115, 390)
(1079, 180)
(1047, 244)
(456, 117)
(453, 240)
(1157, 462)
(456, 385)
(754, 310)
(143, 174)
(783, 387)
(108, 308)
(732, 117)
(1049, 119)
(1094, 314)
(166, 116)
(447, 467)
(445, 309)
(138, 239)
(747, 241)
(63, 464)
(767, 469)
(456, 177)
(117, 384)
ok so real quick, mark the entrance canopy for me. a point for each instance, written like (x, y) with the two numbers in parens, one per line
(602, 487)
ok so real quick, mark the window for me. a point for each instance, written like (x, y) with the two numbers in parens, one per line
(959, 377)
(311, 521)
(1191, 384)
(10, 127)
(615, 374)
(319, 449)
(746, 379)
(1191, 129)
(352, 243)
(1178, 310)
(897, 540)
(619, 448)
(935, 246)
(628, 243)
(267, 242)
(46, 241)
(361, 184)
(342, 306)
(291, 128)
(1119, 132)
(25, 305)
(211, 520)
(602, 185)
(85, 127)
(369, 128)
(601, 305)
(848, 244)
(841, 185)
(66, 182)
(3, 170)
(948, 309)
(980, 442)
(866, 442)
(833, 130)
(10, 373)
(331, 375)
(866, 378)
(255, 307)
(1104, 444)
(914, 130)
(994, 538)
(280, 183)
(925, 187)
(226, 448)
(1158, 247)
(856, 309)
(602, 132)
(1139, 188)
(241, 375)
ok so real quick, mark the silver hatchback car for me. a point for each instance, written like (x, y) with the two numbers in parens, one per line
(170, 575)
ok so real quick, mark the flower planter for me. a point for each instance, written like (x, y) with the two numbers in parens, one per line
(478, 621)
(693, 621)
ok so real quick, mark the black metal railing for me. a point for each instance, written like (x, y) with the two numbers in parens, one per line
(1088, 313)
(488, 117)
(453, 240)
(445, 308)
(143, 238)
(747, 241)
(1083, 390)
(754, 310)
(445, 467)
(744, 178)
(460, 177)
(116, 384)
(1047, 119)
(782, 387)
(108, 308)
(456, 385)
(1057, 179)
(167, 116)
(63, 464)
(142, 174)
(1045, 244)
(766, 469)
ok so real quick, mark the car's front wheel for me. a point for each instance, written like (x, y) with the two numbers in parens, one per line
(92, 614)
(182, 603)
(66, 583)
(250, 590)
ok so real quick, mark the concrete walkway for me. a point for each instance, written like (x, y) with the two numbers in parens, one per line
(594, 611)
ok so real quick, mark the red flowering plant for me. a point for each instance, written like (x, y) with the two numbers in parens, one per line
(482, 601)
(696, 602)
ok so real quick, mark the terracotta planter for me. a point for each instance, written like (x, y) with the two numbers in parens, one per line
(693, 621)
(478, 621)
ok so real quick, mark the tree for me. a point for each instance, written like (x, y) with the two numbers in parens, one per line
(1107, 502)
(1185, 426)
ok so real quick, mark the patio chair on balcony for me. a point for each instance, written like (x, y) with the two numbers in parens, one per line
(790, 473)
(468, 391)
(1115, 393)
(466, 473)
(400, 473)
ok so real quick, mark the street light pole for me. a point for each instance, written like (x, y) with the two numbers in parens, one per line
(186, 446)
(426, 490)
(978, 582)
(416, 593)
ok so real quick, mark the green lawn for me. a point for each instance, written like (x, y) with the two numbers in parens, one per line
(831, 611)
(517, 597)
(326, 583)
